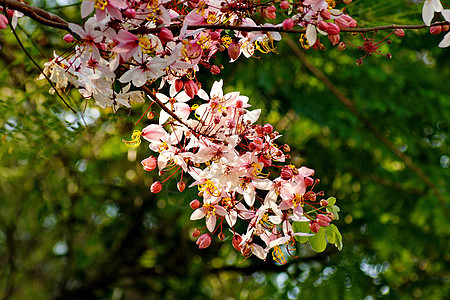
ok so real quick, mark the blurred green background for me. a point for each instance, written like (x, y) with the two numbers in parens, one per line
(77, 219)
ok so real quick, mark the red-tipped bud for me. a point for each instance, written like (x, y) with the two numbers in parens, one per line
(178, 85)
(234, 50)
(191, 88)
(309, 181)
(333, 28)
(130, 13)
(196, 232)
(204, 241)
(237, 242)
(284, 4)
(215, 70)
(268, 128)
(149, 163)
(323, 202)
(68, 38)
(150, 115)
(342, 46)
(325, 14)
(314, 227)
(322, 25)
(271, 12)
(181, 186)
(165, 35)
(195, 204)
(347, 1)
(323, 218)
(399, 32)
(156, 187)
(359, 62)
(286, 173)
(334, 38)
(221, 236)
(342, 23)
(288, 24)
(259, 130)
(435, 29)
(286, 148)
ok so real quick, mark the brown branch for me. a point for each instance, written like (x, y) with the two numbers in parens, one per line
(348, 103)
(52, 20)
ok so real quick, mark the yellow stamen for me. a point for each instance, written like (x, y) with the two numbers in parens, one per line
(101, 4)
(278, 255)
(304, 42)
(135, 139)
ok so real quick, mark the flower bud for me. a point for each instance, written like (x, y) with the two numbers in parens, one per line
(259, 130)
(178, 85)
(334, 38)
(149, 163)
(165, 35)
(295, 171)
(323, 218)
(314, 227)
(3, 22)
(221, 236)
(215, 69)
(389, 55)
(435, 29)
(196, 232)
(156, 187)
(284, 4)
(333, 28)
(445, 27)
(271, 12)
(323, 202)
(342, 46)
(359, 62)
(204, 241)
(286, 173)
(181, 186)
(268, 128)
(237, 242)
(322, 223)
(325, 14)
(288, 24)
(68, 38)
(234, 50)
(399, 32)
(309, 181)
(322, 25)
(347, 1)
(342, 23)
(150, 115)
(286, 148)
(130, 13)
(195, 204)
(191, 88)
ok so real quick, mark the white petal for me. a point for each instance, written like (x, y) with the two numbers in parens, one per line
(197, 214)
(311, 34)
(211, 223)
(446, 41)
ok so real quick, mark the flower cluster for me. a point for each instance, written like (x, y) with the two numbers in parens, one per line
(240, 172)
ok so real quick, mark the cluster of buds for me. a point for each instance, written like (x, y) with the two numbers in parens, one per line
(241, 174)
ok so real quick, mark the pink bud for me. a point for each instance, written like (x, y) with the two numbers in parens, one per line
(286, 173)
(165, 35)
(215, 69)
(181, 186)
(399, 32)
(334, 38)
(215, 36)
(268, 128)
(196, 232)
(322, 25)
(195, 204)
(309, 181)
(288, 24)
(271, 12)
(323, 202)
(191, 88)
(68, 38)
(149, 163)
(204, 241)
(284, 4)
(342, 23)
(234, 50)
(156, 187)
(314, 227)
(435, 29)
(178, 85)
(237, 242)
(286, 148)
(332, 28)
(259, 130)
(323, 218)
(130, 13)
(325, 14)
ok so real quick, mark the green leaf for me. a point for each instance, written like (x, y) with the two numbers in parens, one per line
(334, 210)
(330, 235)
(338, 236)
(301, 227)
(318, 242)
(331, 201)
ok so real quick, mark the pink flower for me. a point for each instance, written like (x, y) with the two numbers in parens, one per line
(149, 163)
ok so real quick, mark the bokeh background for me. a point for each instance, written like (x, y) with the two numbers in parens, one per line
(77, 219)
